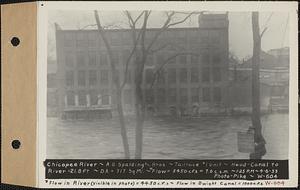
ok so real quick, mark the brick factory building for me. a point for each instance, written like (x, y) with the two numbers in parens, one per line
(197, 77)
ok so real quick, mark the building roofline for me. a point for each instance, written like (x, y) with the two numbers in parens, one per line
(150, 29)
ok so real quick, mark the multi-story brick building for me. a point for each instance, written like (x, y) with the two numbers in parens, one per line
(199, 75)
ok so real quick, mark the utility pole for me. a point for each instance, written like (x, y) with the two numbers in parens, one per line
(259, 149)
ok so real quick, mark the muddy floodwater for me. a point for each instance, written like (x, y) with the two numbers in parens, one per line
(202, 138)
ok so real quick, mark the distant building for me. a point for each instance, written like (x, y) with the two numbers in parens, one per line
(84, 76)
(282, 55)
(52, 95)
(274, 80)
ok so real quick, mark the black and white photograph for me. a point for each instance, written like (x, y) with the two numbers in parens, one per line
(168, 84)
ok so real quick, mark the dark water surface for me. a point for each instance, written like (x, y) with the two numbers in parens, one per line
(205, 138)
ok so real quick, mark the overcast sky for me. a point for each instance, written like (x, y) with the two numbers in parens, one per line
(240, 30)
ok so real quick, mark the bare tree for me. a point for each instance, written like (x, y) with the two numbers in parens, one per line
(141, 55)
(260, 142)
(141, 50)
(116, 82)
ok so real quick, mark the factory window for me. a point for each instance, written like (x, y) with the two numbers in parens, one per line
(183, 96)
(193, 36)
(128, 77)
(204, 37)
(69, 59)
(183, 75)
(92, 77)
(195, 59)
(103, 59)
(51, 80)
(172, 75)
(82, 40)
(127, 96)
(93, 38)
(161, 95)
(171, 58)
(150, 60)
(52, 99)
(149, 76)
(104, 76)
(161, 76)
(68, 40)
(69, 78)
(195, 95)
(217, 94)
(93, 97)
(81, 98)
(216, 58)
(172, 95)
(81, 78)
(149, 96)
(115, 40)
(194, 75)
(205, 58)
(126, 54)
(114, 96)
(183, 59)
(215, 37)
(217, 74)
(206, 94)
(117, 74)
(205, 74)
(181, 40)
(115, 57)
(127, 38)
(70, 98)
(92, 58)
(80, 59)
(277, 90)
(160, 58)
(105, 97)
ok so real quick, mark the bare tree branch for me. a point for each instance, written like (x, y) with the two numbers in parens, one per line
(135, 41)
(173, 45)
(265, 25)
(168, 23)
(129, 59)
(265, 29)
(168, 60)
(160, 48)
(132, 22)
(89, 25)
(117, 85)
(182, 20)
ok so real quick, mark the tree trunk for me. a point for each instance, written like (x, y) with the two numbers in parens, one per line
(258, 137)
(117, 85)
(140, 111)
(122, 124)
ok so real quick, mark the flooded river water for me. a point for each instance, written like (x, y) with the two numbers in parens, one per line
(204, 138)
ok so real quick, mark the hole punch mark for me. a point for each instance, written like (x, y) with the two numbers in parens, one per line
(16, 144)
(15, 41)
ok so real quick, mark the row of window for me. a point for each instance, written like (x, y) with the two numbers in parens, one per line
(207, 94)
(92, 58)
(119, 39)
(173, 76)
(180, 75)
(92, 77)
(92, 96)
